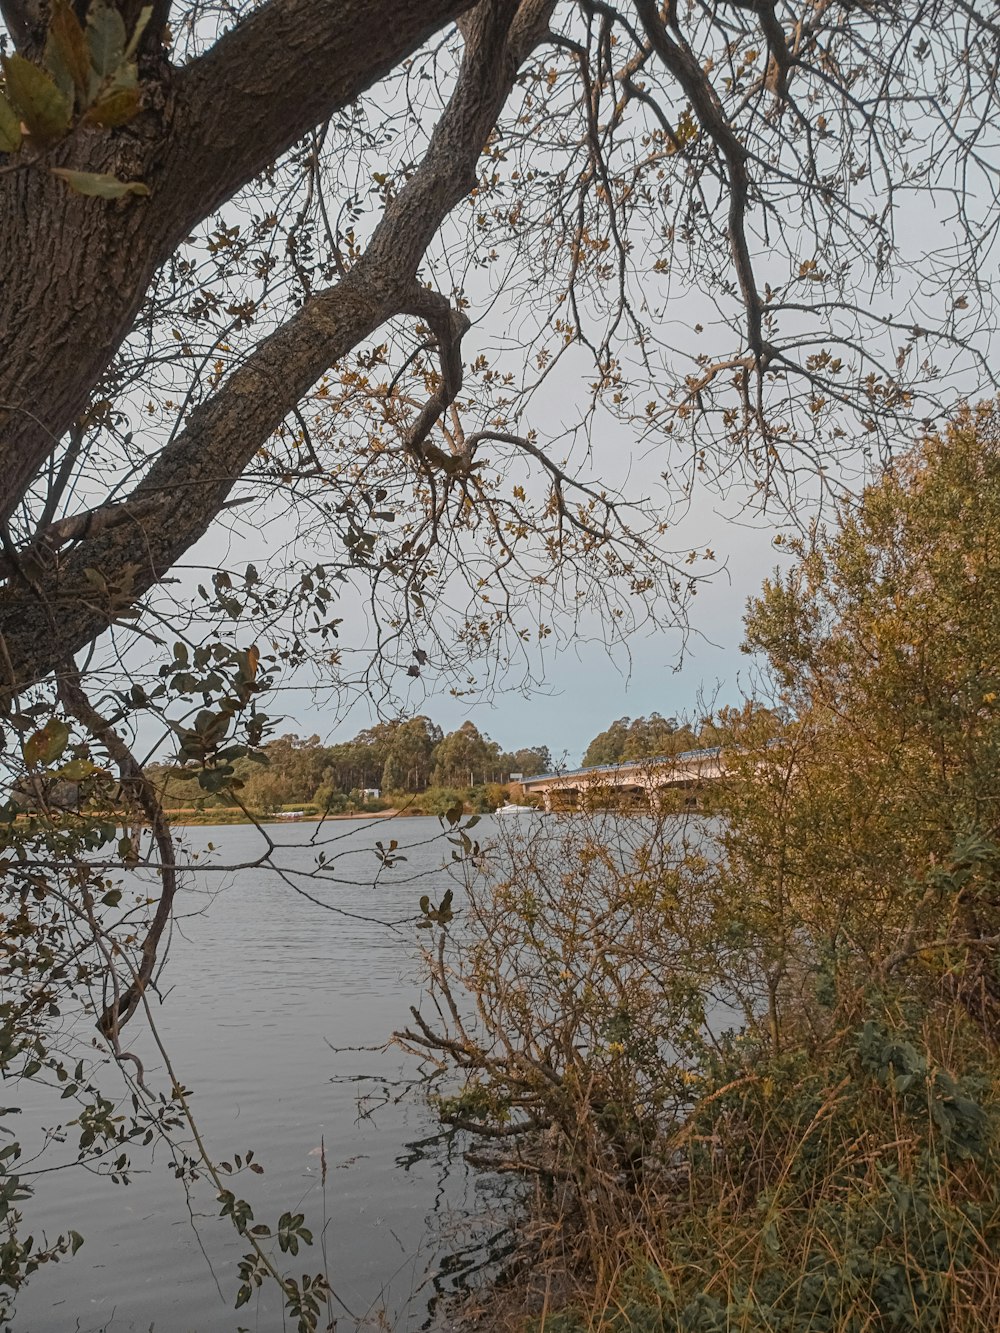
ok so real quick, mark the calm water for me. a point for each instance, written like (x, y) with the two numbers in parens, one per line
(260, 985)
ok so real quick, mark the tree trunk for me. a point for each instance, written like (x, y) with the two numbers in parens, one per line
(74, 270)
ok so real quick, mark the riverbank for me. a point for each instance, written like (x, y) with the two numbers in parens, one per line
(196, 818)
(693, 1158)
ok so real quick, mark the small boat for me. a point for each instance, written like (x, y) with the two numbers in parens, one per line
(511, 809)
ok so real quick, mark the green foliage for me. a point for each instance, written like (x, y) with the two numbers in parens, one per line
(465, 757)
(399, 758)
(870, 829)
(45, 110)
(409, 757)
(328, 800)
(819, 1197)
(529, 761)
(106, 38)
(46, 745)
(836, 1167)
(650, 737)
(87, 76)
(10, 127)
(440, 800)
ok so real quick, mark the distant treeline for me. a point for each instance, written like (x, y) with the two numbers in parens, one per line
(655, 736)
(401, 757)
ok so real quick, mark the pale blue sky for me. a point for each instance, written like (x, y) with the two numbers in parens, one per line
(586, 686)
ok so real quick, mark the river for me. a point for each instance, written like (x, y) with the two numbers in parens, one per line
(262, 992)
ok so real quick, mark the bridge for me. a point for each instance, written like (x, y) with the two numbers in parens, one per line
(635, 782)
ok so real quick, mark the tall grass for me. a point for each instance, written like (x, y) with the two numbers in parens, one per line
(679, 1177)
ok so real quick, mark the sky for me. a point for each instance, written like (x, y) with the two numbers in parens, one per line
(584, 684)
(587, 686)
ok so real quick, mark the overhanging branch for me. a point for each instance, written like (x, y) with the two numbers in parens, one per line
(280, 72)
(191, 480)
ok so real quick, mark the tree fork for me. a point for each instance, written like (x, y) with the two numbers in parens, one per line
(74, 270)
(193, 477)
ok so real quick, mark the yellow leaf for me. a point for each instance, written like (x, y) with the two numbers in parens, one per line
(46, 745)
(117, 108)
(99, 185)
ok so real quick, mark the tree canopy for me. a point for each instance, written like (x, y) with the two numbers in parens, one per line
(263, 254)
(640, 738)
(795, 1006)
(874, 825)
(404, 755)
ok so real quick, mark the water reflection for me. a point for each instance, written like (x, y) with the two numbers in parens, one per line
(285, 981)
(274, 972)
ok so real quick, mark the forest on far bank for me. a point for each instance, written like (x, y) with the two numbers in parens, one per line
(414, 757)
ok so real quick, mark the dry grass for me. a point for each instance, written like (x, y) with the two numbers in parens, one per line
(845, 1179)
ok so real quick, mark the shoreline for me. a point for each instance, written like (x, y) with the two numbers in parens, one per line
(184, 818)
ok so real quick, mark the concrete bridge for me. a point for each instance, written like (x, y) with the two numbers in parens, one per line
(636, 782)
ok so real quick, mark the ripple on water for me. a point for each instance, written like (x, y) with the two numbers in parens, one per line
(260, 985)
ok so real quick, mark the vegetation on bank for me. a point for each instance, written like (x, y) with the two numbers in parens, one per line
(404, 763)
(400, 300)
(749, 1071)
(434, 801)
(412, 764)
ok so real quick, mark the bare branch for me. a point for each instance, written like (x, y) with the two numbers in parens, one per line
(138, 788)
(276, 75)
(193, 477)
(281, 71)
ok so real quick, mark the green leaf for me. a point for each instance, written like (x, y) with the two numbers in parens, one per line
(46, 745)
(10, 127)
(116, 108)
(44, 109)
(99, 185)
(106, 38)
(70, 43)
(77, 769)
(93, 576)
(126, 76)
(54, 63)
(75, 1241)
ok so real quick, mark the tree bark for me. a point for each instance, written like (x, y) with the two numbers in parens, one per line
(74, 270)
(44, 620)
